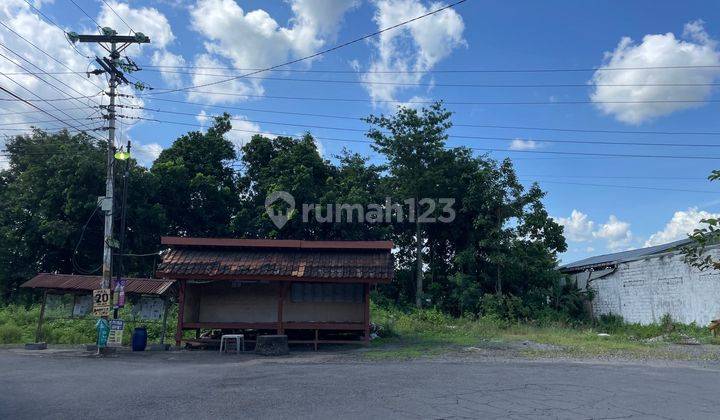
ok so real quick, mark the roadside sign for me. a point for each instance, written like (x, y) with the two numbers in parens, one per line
(117, 328)
(101, 302)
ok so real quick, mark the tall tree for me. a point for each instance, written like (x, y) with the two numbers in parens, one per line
(413, 141)
(197, 186)
(288, 164)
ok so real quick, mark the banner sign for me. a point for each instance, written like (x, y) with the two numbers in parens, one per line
(117, 328)
(151, 308)
(82, 305)
(101, 302)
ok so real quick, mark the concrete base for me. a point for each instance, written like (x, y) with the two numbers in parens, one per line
(272, 345)
(35, 346)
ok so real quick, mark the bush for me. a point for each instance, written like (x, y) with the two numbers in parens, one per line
(10, 334)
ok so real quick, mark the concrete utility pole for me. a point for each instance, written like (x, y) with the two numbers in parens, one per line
(114, 44)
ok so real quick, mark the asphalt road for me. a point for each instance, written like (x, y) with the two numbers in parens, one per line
(204, 385)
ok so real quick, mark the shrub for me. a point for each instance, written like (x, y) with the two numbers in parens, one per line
(10, 334)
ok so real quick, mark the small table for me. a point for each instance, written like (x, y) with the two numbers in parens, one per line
(238, 339)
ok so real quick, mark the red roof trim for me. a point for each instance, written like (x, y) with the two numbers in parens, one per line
(271, 277)
(274, 243)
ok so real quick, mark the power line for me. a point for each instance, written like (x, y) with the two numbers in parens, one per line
(557, 70)
(86, 14)
(471, 148)
(454, 136)
(426, 102)
(39, 109)
(636, 187)
(40, 78)
(118, 15)
(52, 22)
(325, 51)
(48, 54)
(516, 127)
(459, 85)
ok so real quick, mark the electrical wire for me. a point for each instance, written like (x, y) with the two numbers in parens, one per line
(458, 85)
(452, 136)
(119, 17)
(471, 148)
(557, 70)
(322, 52)
(86, 14)
(514, 127)
(427, 102)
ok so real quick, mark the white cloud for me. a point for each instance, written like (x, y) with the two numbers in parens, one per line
(255, 39)
(235, 86)
(616, 232)
(681, 224)
(578, 227)
(147, 20)
(415, 47)
(166, 58)
(20, 18)
(520, 144)
(146, 154)
(243, 131)
(656, 50)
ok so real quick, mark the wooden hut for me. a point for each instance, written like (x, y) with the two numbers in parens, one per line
(313, 291)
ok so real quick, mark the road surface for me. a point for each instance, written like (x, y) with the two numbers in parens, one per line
(207, 385)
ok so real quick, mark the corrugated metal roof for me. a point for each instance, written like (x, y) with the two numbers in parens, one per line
(78, 282)
(274, 243)
(624, 256)
(325, 264)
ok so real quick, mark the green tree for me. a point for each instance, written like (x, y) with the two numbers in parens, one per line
(197, 187)
(49, 216)
(412, 141)
(285, 164)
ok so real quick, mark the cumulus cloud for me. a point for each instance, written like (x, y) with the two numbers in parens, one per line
(680, 225)
(168, 59)
(616, 232)
(235, 86)
(520, 144)
(147, 20)
(18, 16)
(578, 227)
(415, 47)
(697, 49)
(146, 154)
(254, 39)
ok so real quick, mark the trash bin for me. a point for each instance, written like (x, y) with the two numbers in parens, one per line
(139, 339)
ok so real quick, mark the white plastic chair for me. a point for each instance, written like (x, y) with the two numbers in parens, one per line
(238, 339)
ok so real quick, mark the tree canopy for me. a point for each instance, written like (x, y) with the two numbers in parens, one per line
(500, 241)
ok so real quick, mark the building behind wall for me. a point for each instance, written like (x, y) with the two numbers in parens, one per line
(645, 284)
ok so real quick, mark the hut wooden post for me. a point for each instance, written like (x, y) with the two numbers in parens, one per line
(181, 313)
(366, 314)
(281, 299)
(164, 321)
(38, 333)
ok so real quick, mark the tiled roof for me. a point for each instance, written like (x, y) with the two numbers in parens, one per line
(243, 262)
(78, 282)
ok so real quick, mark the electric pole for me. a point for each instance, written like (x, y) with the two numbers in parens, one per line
(114, 44)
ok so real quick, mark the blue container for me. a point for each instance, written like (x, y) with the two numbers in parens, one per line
(139, 339)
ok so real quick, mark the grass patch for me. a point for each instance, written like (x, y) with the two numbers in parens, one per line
(422, 333)
(18, 324)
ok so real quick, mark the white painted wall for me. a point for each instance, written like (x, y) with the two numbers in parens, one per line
(643, 291)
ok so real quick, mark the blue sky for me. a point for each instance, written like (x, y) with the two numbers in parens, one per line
(589, 194)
